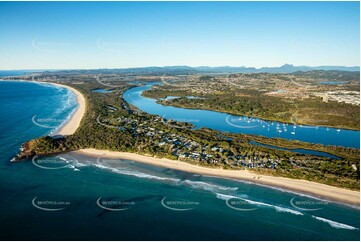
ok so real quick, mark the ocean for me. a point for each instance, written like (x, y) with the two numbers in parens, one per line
(76, 197)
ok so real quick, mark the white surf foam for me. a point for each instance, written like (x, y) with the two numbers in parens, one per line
(260, 204)
(137, 174)
(334, 224)
(207, 186)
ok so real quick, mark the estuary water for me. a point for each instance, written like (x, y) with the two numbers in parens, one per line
(77, 197)
(241, 124)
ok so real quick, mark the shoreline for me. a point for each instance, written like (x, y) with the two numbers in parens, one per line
(71, 125)
(315, 189)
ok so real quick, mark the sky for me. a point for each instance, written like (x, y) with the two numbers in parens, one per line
(91, 35)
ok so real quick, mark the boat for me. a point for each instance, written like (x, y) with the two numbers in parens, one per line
(293, 132)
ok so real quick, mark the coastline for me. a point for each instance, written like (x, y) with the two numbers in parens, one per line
(318, 190)
(315, 189)
(73, 123)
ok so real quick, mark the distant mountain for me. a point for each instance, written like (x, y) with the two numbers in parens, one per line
(184, 70)
(287, 68)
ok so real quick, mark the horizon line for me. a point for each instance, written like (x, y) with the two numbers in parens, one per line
(139, 67)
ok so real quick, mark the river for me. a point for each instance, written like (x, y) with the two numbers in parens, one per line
(241, 124)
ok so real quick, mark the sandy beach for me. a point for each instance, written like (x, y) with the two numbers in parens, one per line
(73, 123)
(312, 188)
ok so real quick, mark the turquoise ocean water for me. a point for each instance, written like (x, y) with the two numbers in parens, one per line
(93, 198)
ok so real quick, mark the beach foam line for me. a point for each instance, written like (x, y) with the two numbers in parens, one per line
(334, 224)
(69, 126)
(292, 192)
(200, 185)
(259, 204)
(207, 186)
(311, 188)
(188, 183)
(137, 174)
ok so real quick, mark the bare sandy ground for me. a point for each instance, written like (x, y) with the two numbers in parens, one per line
(302, 186)
(73, 123)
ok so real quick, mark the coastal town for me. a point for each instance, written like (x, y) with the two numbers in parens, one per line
(186, 149)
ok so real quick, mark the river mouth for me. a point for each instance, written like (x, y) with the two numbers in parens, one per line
(224, 122)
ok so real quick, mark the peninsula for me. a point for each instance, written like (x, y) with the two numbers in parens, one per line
(104, 118)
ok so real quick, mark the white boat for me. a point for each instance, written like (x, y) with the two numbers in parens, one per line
(293, 132)
(338, 130)
(279, 131)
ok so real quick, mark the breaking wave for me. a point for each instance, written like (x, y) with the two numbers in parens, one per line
(137, 174)
(334, 224)
(260, 204)
(207, 186)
